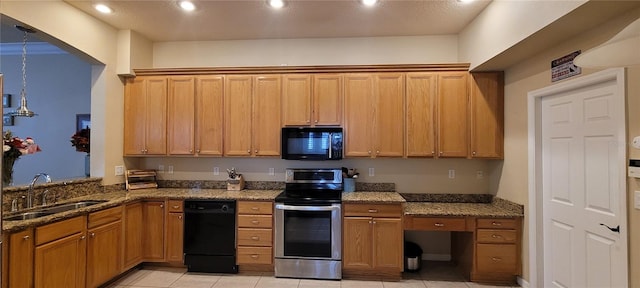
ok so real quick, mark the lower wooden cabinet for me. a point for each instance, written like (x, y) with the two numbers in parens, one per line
(20, 260)
(497, 250)
(104, 246)
(255, 235)
(175, 231)
(60, 254)
(372, 245)
(153, 215)
(132, 235)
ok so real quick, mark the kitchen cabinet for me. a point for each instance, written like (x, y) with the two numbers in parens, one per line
(60, 254)
(372, 241)
(153, 231)
(133, 234)
(181, 115)
(255, 235)
(497, 245)
(252, 115)
(486, 102)
(374, 115)
(104, 246)
(312, 100)
(175, 231)
(20, 259)
(452, 115)
(420, 114)
(145, 116)
(209, 115)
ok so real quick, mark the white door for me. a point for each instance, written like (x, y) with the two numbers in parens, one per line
(583, 188)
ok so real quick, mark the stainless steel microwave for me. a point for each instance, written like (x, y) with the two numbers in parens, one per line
(312, 143)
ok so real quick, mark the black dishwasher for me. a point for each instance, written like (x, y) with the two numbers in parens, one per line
(210, 236)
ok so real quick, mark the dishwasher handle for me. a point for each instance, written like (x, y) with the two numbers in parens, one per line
(307, 208)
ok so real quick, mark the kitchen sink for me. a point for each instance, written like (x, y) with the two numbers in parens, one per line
(45, 211)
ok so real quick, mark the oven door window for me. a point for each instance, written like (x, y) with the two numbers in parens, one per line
(307, 234)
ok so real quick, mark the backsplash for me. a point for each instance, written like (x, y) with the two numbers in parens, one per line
(58, 191)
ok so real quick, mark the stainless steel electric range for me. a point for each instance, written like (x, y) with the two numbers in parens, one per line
(308, 225)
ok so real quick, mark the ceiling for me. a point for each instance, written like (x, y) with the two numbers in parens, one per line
(162, 20)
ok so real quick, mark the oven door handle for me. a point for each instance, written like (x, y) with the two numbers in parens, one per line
(306, 208)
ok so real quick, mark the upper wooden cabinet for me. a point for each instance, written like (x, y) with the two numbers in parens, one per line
(420, 114)
(452, 115)
(374, 115)
(309, 100)
(181, 115)
(252, 115)
(145, 116)
(209, 115)
(486, 99)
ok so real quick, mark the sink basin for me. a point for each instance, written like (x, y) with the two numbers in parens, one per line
(27, 215)
(44, 211)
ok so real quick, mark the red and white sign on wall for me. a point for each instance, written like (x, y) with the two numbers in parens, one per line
(563, 67)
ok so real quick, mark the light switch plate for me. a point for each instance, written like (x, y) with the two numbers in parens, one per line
(636, 200)
(119, 170)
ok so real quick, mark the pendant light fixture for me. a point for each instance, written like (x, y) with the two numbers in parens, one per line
(22, 110)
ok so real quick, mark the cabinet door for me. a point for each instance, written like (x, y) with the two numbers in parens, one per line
(296, 100)
(61, 263)
(20, 259)
(420, 114)
(389, 115)
(104, 253)
(209, 115)
(266, 115)
(387, 243)
(237, 116)
(153, 231)
(133, 232)
(357, 251)
(175, 230)
(181, 115)
(327, 99)
(358, 114)
(156, 116)
(487, 112)
(134, 116)
(452, 114)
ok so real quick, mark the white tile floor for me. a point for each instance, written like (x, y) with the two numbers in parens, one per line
(432, 275)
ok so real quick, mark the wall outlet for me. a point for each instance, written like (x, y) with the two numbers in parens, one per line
(160, 168)
(119, 170)
(216, 170)
(170, 169)
(272, 172)
(452, 173)
(479, 174)
(372, 172)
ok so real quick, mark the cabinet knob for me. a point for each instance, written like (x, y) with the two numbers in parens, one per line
(161, 205)
(190, 150)
(370, 222)
(256, 151)
(496, 259)
(316, 121)
(255, 238)
(433, 152)
(83, 237)
(308, 121)
(377, 152)
(26, 237)
(374, 222)
(373, 210)
(473, 153)
(495, 236)
(369, 152)
(92, 235)
(496, 223)
(255, 256)
(180, 217)
(441, 153)
(438, 225)
(249, 151)
(198, 151)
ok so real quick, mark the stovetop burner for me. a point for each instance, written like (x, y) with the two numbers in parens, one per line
(312, 187)
(309, 197)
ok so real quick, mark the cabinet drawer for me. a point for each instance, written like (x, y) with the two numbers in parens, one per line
(496, 236)
(255, 221)
(255, 255)
(373, 210)
(497, 223)
(496, 258)
(255, 237)
(54, 231)
(255, 207)
(105, 216)
(437, 224)
(176, 206)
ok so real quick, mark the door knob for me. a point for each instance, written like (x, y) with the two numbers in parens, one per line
(613, 229)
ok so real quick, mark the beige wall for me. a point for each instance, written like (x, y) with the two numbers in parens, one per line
(534, 74)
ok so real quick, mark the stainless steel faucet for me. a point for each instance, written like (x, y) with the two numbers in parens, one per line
(33, 182)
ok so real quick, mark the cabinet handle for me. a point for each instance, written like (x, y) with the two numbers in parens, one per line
(249, 151)
(373, 210)
(256, 222)
(377, 152)
(496, 259)
(161, 205)
(176, 206)
(439, 225)
(92, 235)
(369, 152)
(496, 223)
(180, 217)
(26, 237)
(83, 237)
(254, 208)
(473, 153)
(255, 256)
(256, 238)
(495, 236)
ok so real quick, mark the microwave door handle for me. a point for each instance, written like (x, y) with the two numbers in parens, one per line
(330, 145)
(305, 208)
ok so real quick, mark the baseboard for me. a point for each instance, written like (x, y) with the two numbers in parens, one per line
(523, 283)
(436, 257)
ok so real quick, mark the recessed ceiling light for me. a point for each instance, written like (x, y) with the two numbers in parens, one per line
(369, 2)
(277, 4)
(465, 1)
(103, 8)
(187, 5)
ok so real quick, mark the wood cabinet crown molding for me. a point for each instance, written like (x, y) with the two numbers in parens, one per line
(303, 69)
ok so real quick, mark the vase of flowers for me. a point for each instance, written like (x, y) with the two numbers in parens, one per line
(13, 148)
(81, 140)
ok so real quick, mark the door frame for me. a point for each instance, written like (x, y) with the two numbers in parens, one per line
(535, 213)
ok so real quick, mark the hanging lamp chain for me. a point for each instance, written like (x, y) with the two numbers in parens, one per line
(23, 92)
